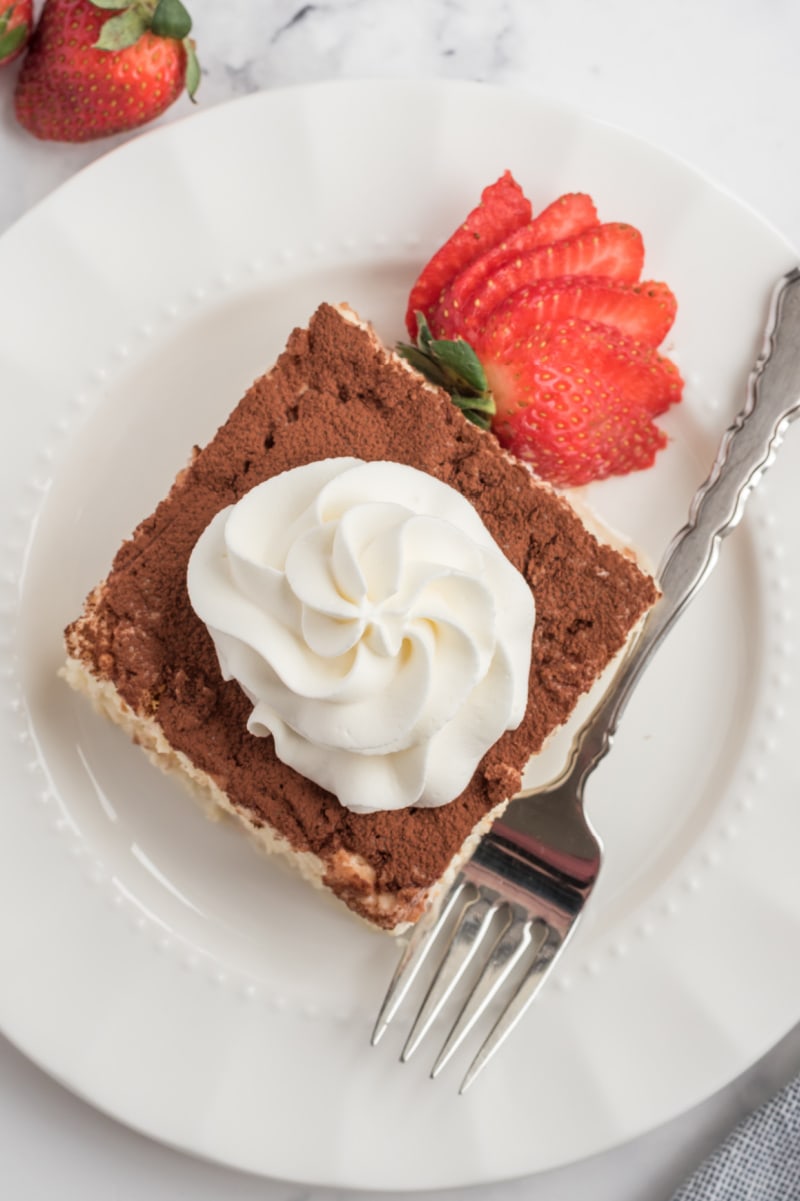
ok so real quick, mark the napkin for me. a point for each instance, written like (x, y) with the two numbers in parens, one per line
(759, 1160)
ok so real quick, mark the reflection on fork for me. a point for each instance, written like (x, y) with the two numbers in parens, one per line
(514, 903)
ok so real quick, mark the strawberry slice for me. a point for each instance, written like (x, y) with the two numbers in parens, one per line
(614, 250)
(644, 311)
(584, 446)
(600, 357)
(566, 217)
(573, 406)
(503, 208)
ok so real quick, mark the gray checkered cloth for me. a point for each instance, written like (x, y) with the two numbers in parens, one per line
(760, 1159)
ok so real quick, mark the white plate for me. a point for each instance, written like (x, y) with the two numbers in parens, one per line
(151, 960)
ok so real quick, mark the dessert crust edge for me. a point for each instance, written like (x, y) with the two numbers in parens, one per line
(377, 909)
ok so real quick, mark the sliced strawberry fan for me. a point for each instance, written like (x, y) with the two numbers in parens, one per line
(557, 331)
(612, 251)
(565, 218)
(643, 311)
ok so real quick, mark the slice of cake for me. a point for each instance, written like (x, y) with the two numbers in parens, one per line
(206, 710)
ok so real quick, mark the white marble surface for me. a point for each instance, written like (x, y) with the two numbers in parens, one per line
(713, 81)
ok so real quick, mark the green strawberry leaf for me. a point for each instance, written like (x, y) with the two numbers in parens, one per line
(474, 411)
(454, 366)
(462, 361)
(117, 4)
(479, 404)
(422, 363)
(192, 68)
(171, 20)
(424, 335)
(10, 42)
(122, 31)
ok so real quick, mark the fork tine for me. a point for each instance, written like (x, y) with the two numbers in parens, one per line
(423, 936)
(466, 938)
(508, 950)
(519, 1002)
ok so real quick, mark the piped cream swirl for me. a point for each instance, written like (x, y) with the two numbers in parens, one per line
(380, 633)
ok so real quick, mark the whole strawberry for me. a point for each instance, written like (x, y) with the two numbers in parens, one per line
(96, 68)
(16, 23)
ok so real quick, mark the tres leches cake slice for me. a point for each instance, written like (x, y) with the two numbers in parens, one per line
(353, 621)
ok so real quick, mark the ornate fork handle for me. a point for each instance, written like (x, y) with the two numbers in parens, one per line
(746, 451)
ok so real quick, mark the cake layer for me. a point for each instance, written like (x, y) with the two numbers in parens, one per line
(336, 392)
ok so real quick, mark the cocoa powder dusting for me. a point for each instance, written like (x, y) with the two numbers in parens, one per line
(333, 393)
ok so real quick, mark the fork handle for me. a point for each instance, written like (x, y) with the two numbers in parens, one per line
(747, 449)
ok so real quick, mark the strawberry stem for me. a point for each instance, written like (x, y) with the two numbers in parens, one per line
(454, 366)
(171, 20)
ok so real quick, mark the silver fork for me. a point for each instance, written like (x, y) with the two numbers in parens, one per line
(519, 897)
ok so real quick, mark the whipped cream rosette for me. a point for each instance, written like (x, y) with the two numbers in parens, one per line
(380, 633)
